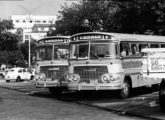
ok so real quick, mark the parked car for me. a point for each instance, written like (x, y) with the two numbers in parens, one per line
(153, 70)
(162, 95)
(18, 74)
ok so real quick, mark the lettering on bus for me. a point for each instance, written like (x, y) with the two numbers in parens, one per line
(53, 41)
(94, 37)
(155, 65)
(85, 37)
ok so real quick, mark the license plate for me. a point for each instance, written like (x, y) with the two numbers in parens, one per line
(93, 81)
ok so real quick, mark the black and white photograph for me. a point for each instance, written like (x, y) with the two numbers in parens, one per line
(82, 60)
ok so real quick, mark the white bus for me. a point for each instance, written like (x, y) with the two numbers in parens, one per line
(52, 62)
(108, 61)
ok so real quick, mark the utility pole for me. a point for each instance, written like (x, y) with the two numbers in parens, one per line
(29, 17)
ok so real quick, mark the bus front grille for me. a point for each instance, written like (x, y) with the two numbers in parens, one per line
(56, 72)
(88, 73)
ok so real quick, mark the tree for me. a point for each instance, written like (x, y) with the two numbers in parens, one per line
(6, 25)
(139, 16)
(126, 16)
(9, 50)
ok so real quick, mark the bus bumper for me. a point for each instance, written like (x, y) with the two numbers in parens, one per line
(47, 84)
(95, 86)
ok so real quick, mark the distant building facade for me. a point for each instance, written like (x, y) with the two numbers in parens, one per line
(33, 26)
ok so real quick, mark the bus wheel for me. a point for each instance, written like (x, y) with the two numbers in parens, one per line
(125, 91)
(162, 95)
(18, 79)
(55, 91)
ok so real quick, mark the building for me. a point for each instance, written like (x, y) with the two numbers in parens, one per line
(26, 22)
(33, 26)
(41, 28)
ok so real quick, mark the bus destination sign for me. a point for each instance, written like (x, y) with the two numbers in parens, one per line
(94, 37)
(52, 41)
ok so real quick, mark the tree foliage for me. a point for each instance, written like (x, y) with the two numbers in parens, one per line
(5, 25)
(126, 16)
(9, 49)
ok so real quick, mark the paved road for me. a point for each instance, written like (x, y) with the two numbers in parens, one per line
(142, 104)
(21, 103)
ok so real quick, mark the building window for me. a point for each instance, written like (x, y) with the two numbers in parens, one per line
(37, 21)
(46, 29)
(42, 29)
(27, 36)
(17, 21)
(24, 21)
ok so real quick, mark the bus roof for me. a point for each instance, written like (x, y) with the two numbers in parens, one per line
(125, 37)
(54, 37)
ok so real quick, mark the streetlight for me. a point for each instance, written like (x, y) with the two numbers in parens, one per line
(29, 15)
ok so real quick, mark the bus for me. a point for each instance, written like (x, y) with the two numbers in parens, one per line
(108, 61)
(51, 56)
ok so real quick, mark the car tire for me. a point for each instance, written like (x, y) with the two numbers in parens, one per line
(126, 90)
(18, 79)
(162, 95)
(7, 80)
(32, 77)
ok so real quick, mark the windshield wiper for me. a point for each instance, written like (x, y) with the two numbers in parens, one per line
(95, 55)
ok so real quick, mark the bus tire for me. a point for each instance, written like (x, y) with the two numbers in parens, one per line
(55, 91)
(125, 91)
(162, 95)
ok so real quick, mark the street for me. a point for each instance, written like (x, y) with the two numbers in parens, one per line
(22, 101)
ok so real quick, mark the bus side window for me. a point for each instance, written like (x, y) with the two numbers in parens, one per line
(142, 46)
(162, 45)
(154, 46)
(124, 49)
(134, 50)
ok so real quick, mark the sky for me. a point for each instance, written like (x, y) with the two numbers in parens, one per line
(34, 7)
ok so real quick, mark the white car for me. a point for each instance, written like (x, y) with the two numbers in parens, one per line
(18, 74)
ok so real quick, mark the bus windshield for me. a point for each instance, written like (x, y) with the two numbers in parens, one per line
(96, 51)
(103, 50)
(44, 53)
(61, 52)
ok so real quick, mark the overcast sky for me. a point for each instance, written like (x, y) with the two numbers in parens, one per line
(35, 7)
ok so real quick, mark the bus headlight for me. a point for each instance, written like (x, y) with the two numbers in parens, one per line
(72, 78)
(107, 78)
(40, 76)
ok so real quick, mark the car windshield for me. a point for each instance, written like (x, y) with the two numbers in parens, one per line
(96, 51)
(11, 70)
